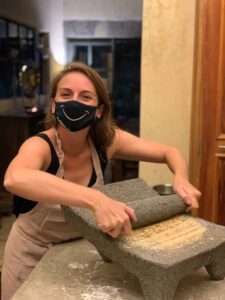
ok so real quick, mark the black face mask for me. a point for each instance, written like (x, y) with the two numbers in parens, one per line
(74, 115)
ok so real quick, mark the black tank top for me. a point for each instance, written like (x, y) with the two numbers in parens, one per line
(22, 205)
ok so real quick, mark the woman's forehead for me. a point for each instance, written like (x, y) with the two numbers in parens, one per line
(76, 80)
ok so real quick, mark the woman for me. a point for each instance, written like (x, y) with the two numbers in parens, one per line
(60, 165)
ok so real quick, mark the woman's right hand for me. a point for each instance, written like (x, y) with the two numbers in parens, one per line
(114, 217)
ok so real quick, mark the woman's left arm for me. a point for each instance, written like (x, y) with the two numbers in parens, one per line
(129, 147)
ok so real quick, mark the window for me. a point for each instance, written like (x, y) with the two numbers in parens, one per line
(118, 63)
(97, 54)
(17, 48)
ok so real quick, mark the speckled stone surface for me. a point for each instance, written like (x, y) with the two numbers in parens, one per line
(158, 265)
(75, 271)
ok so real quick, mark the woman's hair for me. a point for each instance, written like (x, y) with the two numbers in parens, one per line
(103, 130)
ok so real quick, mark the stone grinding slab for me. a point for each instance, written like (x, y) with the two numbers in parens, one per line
(159, 254)
(74, 270)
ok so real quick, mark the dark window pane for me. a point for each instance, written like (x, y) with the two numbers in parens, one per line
(30, 33)
(3, 29)
(13, 41)
(3, 39)
(22, 31)
(23, 42)
(13, 30)
(17, 48)
(30, 50)
(30, 45)
(101, 56)
(126, 92)
(81, 54)
(16, 81)
(13, 49)
(6, 90)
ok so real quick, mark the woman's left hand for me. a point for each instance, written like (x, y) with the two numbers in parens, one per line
(187, 191)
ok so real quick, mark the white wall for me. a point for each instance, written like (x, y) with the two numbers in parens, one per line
(111, 10)
(23, 11)
(57, 42)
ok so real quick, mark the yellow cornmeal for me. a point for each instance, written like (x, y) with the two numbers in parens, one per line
(171, 233)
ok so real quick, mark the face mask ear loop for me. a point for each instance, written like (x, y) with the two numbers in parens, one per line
(97, 118)
(103, 110)
(53, 113)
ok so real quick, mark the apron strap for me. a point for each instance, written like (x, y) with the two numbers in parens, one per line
(60, 154)
(96, 163)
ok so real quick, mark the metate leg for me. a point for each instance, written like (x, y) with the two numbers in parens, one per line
(160, 287)
(216, 269)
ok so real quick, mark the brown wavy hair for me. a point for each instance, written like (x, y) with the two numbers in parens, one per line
(103, 131)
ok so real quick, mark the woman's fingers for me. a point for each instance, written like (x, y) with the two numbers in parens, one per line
(115, 232)
(192, 196)
(106, 227)
(188, 192)
(124, 228)
(191, 202)
(114, 218)
(131, 213)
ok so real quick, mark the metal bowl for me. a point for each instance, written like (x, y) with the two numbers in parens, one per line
(164, 189)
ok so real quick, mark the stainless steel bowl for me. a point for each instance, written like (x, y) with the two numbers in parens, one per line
(164, 189)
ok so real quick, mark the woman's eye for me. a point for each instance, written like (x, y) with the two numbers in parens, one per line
(88, 97)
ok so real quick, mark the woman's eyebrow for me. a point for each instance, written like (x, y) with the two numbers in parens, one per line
(65, 89)
(88, 91)
(82, 91)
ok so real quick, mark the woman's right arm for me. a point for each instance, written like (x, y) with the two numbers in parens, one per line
(27, 178)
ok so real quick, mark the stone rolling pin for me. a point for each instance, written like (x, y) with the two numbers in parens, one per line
(148, 211)
(156, 209)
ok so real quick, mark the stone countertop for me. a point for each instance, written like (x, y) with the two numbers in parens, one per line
(75, 270)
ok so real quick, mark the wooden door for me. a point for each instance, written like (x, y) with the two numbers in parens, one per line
(207, 163)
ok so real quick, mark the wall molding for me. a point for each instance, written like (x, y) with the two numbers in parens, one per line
(102, 29)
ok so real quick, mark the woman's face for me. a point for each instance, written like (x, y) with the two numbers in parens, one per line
(78, 87)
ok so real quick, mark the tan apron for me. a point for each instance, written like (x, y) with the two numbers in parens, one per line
(34, 232)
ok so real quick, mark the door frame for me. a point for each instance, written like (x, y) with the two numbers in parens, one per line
(207, 87)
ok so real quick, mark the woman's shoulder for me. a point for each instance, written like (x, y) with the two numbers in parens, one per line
(111, 149)
(122, 141)
(33, 154)
(49, 133)
(38, 143)
(42, 139)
